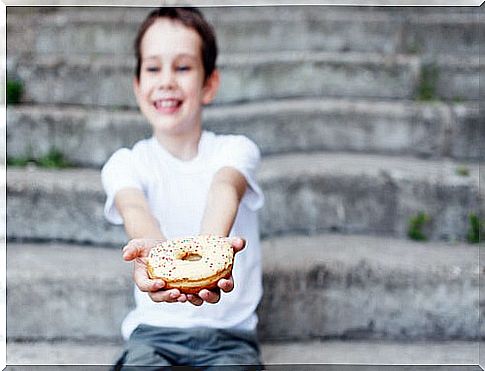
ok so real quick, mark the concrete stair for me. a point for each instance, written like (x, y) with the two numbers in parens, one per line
(357, 155)
(341, 192)
(107, 81)
(278, 356)
(324, 287)
(381, 30)
(88, 137)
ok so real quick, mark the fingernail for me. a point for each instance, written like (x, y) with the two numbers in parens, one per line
(173, 295)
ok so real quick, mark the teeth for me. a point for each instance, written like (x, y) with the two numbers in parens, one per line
(166, 103)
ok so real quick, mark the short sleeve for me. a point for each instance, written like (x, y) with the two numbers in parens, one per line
(119, 172)
(243, 154)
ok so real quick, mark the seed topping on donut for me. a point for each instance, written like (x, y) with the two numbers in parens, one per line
(195, 258)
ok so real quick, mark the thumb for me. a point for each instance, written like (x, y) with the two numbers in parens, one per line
(131, 252)
(238, 244)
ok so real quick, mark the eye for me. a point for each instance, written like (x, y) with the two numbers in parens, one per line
(183, 68)
(152, 69)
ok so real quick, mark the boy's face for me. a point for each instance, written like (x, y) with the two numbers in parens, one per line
(171, 89)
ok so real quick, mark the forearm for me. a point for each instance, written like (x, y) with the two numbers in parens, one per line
(221, 210)
(139, 223)
(137, 217)
(225, 194)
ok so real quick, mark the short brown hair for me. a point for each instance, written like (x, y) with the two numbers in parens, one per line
(189, 17)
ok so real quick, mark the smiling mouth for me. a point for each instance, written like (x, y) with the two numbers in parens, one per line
(167, 105)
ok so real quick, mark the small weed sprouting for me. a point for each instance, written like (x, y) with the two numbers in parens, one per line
(416, 225)
(15, 90)
(18, 161)
(413, 48)
(475, 229)
(462, 170)
(458, 99)
(427, 86)
(54, 159)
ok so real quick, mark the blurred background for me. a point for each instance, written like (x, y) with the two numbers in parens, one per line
(369, 123)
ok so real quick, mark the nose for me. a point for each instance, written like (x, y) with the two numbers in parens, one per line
(166, 79)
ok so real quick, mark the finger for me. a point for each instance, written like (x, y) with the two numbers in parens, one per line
(145, 283)
(168, 296)
(226, 284)
(210, 296)
(135, 248)
(138, 248)
(195, 300)
(182, 298)
(238, 244)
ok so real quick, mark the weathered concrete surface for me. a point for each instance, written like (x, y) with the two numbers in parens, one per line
(468, 133)
(360, 287)
(342, 352)
(305, 193)
(361, 352)
(87, 137)
(353, 287)
(239, 29)
(107, 81)
(457, 80)
(66, 291)
(66, 205)
(352, 193)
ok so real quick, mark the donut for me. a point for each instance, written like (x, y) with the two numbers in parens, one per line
(191, 264)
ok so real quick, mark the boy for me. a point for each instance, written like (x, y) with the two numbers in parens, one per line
(184, 181)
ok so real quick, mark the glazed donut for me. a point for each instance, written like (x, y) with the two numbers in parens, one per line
(191, 264)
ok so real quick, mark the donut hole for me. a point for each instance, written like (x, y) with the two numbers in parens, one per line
(190, 256)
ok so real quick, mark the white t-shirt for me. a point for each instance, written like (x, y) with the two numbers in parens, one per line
(176, 192)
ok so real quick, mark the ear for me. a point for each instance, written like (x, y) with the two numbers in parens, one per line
(211, 86)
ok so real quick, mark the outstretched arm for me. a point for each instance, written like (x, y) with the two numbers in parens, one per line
(137, 218)
(225, 194)
(144, 232)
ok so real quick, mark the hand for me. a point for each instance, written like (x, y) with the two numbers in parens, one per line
(226, 285)
(138, 250)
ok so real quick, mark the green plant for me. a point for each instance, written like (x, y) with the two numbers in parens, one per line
(416, 225)
(54, 159)
(413, 48)
(18, 161)
(458, 99)
(14, 91)
(475, 228)
(428, 82)
(462, 170)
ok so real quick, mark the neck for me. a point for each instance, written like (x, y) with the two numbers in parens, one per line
(182, 146)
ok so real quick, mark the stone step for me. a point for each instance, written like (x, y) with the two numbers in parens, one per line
(326, 286)
(239, 29)
(342, 192)
(87, 137)
(105, 81)
(283, 356)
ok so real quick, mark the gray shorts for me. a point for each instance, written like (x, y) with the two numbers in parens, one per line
(152, 348)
